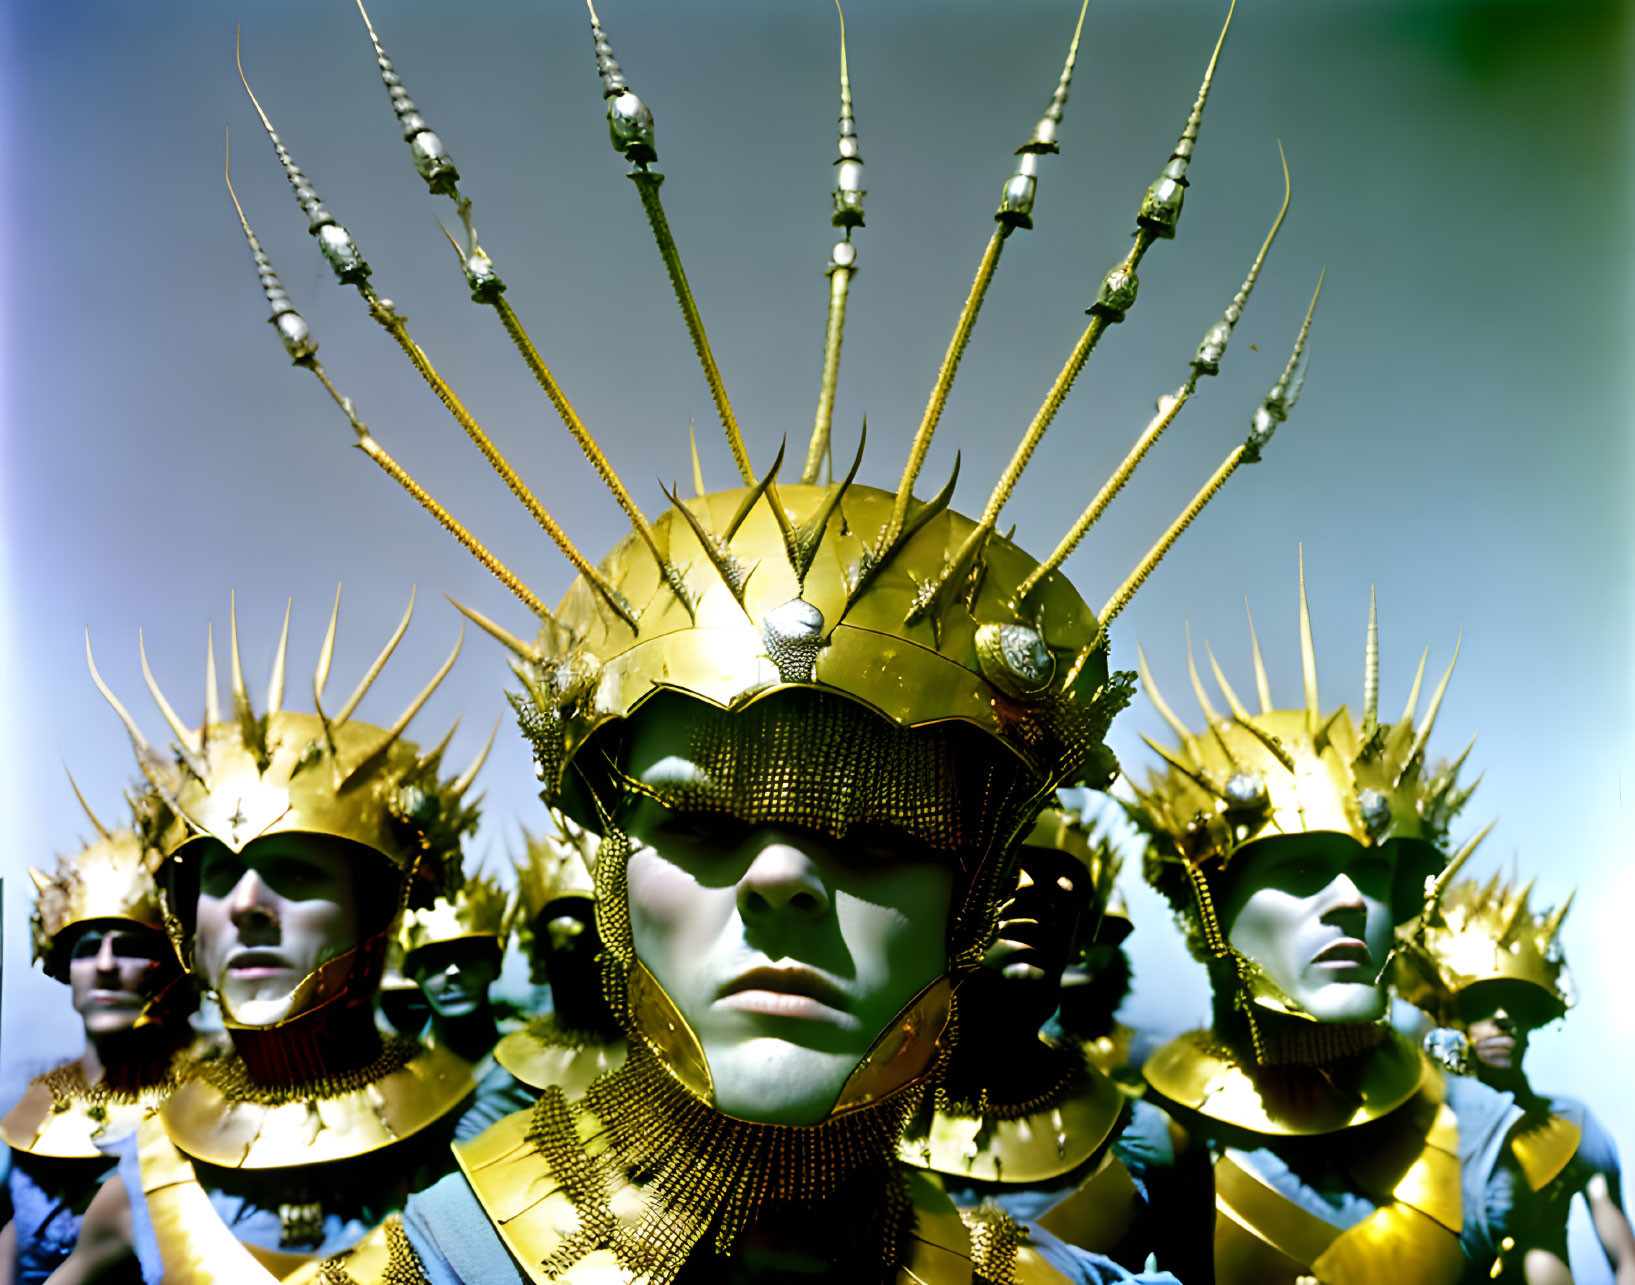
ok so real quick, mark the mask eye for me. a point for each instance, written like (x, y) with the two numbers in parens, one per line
(220, 872)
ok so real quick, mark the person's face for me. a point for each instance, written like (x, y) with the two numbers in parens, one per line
(455, 976)
(1022, 970)
(565, 941)
(113, 972)
(787, 953)
(267, 918)
(1313, 910)
(1498, 1039)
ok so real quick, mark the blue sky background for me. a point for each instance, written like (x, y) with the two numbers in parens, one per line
(1459, 169)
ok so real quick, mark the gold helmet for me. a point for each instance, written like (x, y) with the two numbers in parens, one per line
(109, 879)
(1484, 937)
(1247, 777)
(474, 908)
(282, 772)
(1065, 830)
(557, 864)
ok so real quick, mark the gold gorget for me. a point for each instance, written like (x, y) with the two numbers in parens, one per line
(1030, 1143)
(220, 1116)
(1396, 1142)
(1200, 1073)
(62, 1117)
(542, 1054)
(1544, 1147)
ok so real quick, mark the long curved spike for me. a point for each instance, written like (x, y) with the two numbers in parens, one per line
(1371, 668)
(1552, 925)
(183, 733)
(733, 573)
(275, 685)
(1439, 886)
(1210, 714)
(1207, 360)
(102, 830)
(143, 749)
(397, 729)
(326, 653)
(212, 702)
(1195, 777)
(802, 544)
(39, 879)
(1308, 651)
(436, 752)
(498, 632)
(290, 324)
(1424, 733)
(462, 783)
(1275, 406)
(241, 697)
(1263, 688)
(1159, 703)
(1519, 913)
(756, 490)
(848, 214)
(1226, 688)
(1412, 706)
(373, 672)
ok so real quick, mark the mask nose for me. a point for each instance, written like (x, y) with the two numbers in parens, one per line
(249, 908)
(106, 960)
(782, 878)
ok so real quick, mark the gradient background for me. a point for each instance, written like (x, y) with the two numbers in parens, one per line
(1459, 168)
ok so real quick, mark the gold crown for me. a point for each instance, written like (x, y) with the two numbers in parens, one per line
(898, 604)
(475, 906)
(110, 878)
(1251, 776)
(557, 863)
(1471, 933)
(290, 773)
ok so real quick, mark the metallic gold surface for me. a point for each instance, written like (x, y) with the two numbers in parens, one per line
(903, 1052)
(68, 1126)
(309, 1130)
(1099, 1212)
(110, 879)
(669, 1033)
(1040, 1145)
(1197, 1072)
(1478, 933)
(540, 1065)
(1543, 1148)
(475, 907)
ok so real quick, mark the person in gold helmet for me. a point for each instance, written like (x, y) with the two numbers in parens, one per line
(1290, 841)
(809, 721)
(291, 842)
(1490, 971)
(98, 929)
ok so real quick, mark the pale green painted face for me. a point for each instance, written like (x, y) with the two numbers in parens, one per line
(1313, 910)
(787, 953)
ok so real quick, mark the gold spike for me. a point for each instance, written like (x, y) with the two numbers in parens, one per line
(275, 685)
(1273, 746)
(1160, 704)
(1308, 650)
(397, 729)
(1195, 777)
(186, 735)
(373, 672)
(1552, 924)
(731, 571)
(1443, 881)
(498, 632)
(326, 653)
(1518, 913)
(212, 704)
(1320, 739)
(1226, 688)
(39, 878)
(101, 829)
(1413, 692)
(436, 752)
(756, 490)
(1371, 668)
(840, 270)
(698, 469)
(1169, 406)
(462, 783)
(1122, 595)
(945, 379)
(802, 545)
(1263, 688)
(1424, 734)
(146, 758)
(241, 698)
(1210, 714)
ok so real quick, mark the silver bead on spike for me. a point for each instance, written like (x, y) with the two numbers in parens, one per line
(1116, 294)
(290, 324)
(431, 160)
(1376, 811)
(849, 191)
(1016, 198)
(1275, 408)
(1161, 207)
(629, 123)
(1245, 790)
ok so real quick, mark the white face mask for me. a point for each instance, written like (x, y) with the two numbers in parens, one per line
(1313, 911)
(787, 953)
(267, 918)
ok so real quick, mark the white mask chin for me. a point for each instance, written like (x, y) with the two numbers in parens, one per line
(259, 1012)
